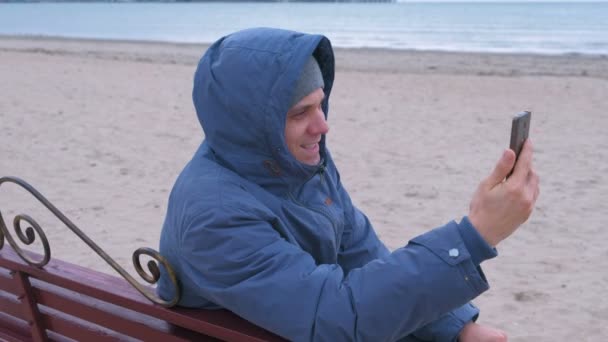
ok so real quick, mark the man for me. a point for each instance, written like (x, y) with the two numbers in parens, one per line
(259, 223)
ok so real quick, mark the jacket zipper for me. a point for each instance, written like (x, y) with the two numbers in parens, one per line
(322, 173)
(320, 211)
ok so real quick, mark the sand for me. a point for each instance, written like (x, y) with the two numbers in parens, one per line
(103, 128)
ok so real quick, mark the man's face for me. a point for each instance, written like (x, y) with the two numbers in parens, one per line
(304, 127)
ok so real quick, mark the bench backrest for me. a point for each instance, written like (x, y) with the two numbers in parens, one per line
(63, 300)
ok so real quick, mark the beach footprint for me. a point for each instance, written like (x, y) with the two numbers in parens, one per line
(529, 296)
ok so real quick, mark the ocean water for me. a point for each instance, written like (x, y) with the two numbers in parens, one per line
(525, 27)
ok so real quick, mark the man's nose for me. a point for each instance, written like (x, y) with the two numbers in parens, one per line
(319, 125)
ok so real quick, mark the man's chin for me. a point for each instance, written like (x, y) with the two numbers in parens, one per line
(311, 161)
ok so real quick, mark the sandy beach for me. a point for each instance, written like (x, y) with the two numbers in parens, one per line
(103, 128)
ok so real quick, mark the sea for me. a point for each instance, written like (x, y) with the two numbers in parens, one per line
(509, 27)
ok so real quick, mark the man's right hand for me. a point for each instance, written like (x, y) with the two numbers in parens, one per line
(500, 206)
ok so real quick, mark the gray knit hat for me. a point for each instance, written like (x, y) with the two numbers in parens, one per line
(310, 79)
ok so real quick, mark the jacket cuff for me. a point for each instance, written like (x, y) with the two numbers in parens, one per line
(448, 327)
(478, 248)
(447, 243)
(463, 315)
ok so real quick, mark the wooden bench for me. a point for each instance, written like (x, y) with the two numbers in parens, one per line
(60, 301)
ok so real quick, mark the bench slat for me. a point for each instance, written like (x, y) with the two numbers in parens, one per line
(13, 329)
(96, 312)
(7, 284)
(10, 336)
(29, 306)
(12, 307)
(221, 324)
(73, 330)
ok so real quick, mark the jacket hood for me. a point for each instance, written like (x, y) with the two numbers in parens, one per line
(243, 86)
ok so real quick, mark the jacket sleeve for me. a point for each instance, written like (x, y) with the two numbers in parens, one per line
(240, 262)
(361, 245)
(448, 327)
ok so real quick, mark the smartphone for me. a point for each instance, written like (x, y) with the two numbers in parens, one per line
(520, 128)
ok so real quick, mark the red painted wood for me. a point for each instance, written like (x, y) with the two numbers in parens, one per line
(10, 336)
(133, 324)
(13, 329)
(12, 307)
(220, 324)
(54, 337)
(7, 283)
(69, 328)
(30, 309)
(108, 315)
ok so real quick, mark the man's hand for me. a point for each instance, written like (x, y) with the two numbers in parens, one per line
(500, 206)
(473, 332)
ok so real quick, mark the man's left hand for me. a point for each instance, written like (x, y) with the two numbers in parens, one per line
(473, 332)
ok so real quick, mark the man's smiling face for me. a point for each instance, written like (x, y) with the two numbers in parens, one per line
(304, 127)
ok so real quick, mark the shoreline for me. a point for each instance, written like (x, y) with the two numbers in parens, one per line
(40, 37)
(348, 59)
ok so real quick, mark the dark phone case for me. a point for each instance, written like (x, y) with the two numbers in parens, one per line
(519, 133)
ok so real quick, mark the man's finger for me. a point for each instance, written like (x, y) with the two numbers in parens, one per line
(523, 165)
(502, 168)
(534, 184)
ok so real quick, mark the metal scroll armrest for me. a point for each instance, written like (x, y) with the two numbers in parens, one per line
(29, 236)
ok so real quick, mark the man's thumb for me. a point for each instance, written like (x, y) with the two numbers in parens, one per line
(503, 167)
